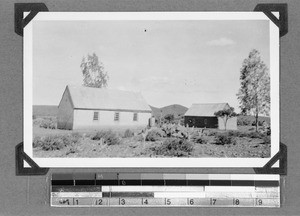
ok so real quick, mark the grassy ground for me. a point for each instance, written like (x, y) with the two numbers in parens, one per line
(136, 147)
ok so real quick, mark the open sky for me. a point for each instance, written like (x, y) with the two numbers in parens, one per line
(169, 62)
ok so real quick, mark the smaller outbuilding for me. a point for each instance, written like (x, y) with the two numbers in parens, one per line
(203, 116)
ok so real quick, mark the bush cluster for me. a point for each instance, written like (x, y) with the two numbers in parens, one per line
(55, 142)
(128, 133)
(267, 139)
(109, 137)
(237, 134)
(212, 133)
(174, 147)
(168, 131)
(155, 134)
(176, 131)
(47, 123)
(197, 138)
(222, 139)
(244, 122)
(265, 136)
(249, 121)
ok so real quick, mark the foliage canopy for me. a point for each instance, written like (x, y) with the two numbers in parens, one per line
(93, 72)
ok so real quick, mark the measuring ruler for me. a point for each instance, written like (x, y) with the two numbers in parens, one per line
(164, 190)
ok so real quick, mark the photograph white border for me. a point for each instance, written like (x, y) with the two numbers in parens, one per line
(149, 162)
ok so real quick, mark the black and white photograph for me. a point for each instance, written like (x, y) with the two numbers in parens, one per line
(151, 89)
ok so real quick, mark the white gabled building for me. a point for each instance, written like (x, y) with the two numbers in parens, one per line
(86, 107)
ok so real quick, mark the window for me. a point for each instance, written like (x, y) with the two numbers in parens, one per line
(96, 116)
(135, 117)
(117, 116)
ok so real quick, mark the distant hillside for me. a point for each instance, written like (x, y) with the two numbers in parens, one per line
(44, 110)
(175, 109)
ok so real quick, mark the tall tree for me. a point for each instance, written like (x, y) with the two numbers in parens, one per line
(225, 114)
(254, 92)
(93, 72)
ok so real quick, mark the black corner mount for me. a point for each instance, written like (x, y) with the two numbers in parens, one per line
(282, 157)
(34, 169)
(32, 8)
(282, 22)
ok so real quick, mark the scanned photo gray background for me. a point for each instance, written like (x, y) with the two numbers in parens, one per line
(23, 195)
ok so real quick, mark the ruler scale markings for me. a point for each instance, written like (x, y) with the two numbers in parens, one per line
(152, 182)
(175, 179)
(229, 189)
(69, 188)
(107, 179)
(62, 182)
(101, 202)
(84, 178)
(76, 194)
(131, 194)
(267, 183)
(129, 179)
(107, 182)
(152, 189)
(152, 176)
(106, 194)
(179, 194)
(242, 182)
(197, 182)
(153, 201)
(248, 195)
(197, 176)
(114, 201)
(152, 179)
(220, 182)
(267, 189)
(177, 182)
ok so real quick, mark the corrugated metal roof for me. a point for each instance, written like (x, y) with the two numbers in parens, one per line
(205, 109)
(96, 98)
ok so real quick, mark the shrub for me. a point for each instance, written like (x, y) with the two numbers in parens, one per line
(128, 133)
(109, 137)
(138, 138)
(254, 135)
(244, 121)
(268, 131)
(174, 147)
(176, 131)
(236, 134)
(197, 138)
(168, 129)
(76, 135)
(265, 129)
(222, 139)
(260, 123)
(212, 133)
(54, 142)
(155, 134)
(169, 118)
(71, 150)
(37, 142)
(267, 139)
(47, 123)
